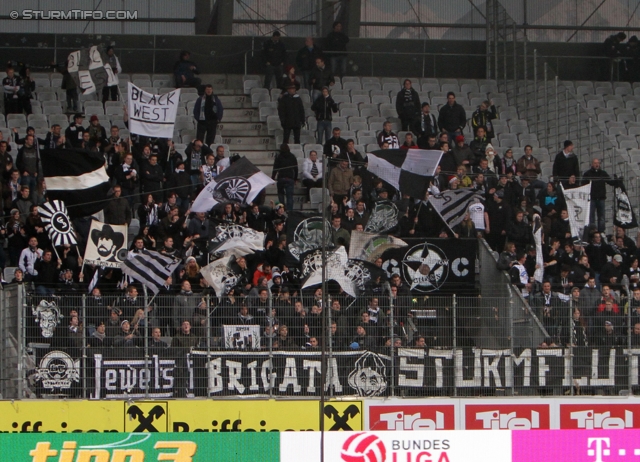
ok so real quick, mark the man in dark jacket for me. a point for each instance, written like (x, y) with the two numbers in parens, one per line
(275, 55)
(483, 116)
(28, 163)
(408, 105)
(285, 168)
(73, 133)
(196, 154)
(336, 44)
(566, 164)
(152, 179)
(118, 210)
(321, 77)
(452, 118)
(599, 180)
(291, 112)
(306, 60)
(185, 72)
(47, 271)
(208, 112)
(324, 107)
(424, 126)
(335, 146)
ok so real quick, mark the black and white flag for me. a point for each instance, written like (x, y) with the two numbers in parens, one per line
(370, 246)
(220, 275)
(537, 236)
(106, 245)
(335, 270)
(150, 268)
(409, 171)
(383, 218)
(76, 177)
(240, 183)
(150, 114)
(623, 214)
(452, 205)
(90, 69)
(232, 239)
(57, 223)
(578, 204)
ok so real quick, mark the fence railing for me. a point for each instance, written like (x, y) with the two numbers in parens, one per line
(79, 346)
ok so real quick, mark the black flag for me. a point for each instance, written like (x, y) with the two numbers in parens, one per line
(623, 214)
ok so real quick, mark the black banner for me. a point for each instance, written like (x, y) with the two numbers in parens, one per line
(433, 265)
(418, 372)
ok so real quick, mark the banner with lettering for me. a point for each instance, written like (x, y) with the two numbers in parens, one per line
(152, 115)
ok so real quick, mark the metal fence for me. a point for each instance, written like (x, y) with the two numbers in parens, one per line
(80, 346)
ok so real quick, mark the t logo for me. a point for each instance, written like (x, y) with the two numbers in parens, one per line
(601, 448)
(341, 421)
(145, 422)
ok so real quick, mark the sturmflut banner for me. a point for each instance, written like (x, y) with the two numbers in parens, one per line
(152, 115)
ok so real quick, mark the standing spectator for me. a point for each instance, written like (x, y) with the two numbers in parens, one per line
(289, 78)
(291, 113)
(285, 168)
(408, 105)
(599, 180)
(152, 179)
(336, 45)
(425, 126)
(185, 71)
(452, 118)
(127, 177)
(340, 180)
(499, 212)
(324, 107)
(483, 116)
(566, 164)
(275, 55)
(387, 136)
(114, 63)
(28, 259)
(75, 131)
(97, 133)
(11, 84)
(196, 154)
(118, 210)
(549, 307)
(529, 166)
(208, 112)
(306, 60)
(479, 144)
(321, 77)
(46, 273)
(28, 163)
(312, 172)
(462, 153)
(27, 87)
(70, 87)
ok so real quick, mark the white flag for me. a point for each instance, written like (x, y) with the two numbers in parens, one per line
(152, 115)
(578, 202)
(107, 245)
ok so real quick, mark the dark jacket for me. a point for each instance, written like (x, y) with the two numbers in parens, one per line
(28, 160)
(213, 109)
(73, 135)
(483, 119)
(336, 42)
(322, 77)
(117, 211)
(306, 58)
(421, 121)
(565, 166)
(291, 111)
(408, 104)
(452, 118)
(324, 107)
(285, 166)
(204, 150)
(274, 53)
(599, 180)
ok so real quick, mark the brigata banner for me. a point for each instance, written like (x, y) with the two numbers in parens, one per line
(125, 373)
(140, 447)
(421, 446)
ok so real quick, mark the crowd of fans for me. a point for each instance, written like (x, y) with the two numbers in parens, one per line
(152, 182)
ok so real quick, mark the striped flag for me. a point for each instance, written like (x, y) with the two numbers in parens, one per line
(150, 268)
(406, 170)
(452, 205)
(56, 221)
(76, 177)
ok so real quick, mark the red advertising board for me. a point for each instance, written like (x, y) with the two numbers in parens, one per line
(506, 416)
(589, 416)
(407, 417)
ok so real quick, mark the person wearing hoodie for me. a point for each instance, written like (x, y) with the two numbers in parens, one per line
(324, 107)
(408, 105)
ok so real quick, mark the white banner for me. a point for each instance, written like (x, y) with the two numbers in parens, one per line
(107, 245)
(538, 275)
(242, 337)
(578, 202)
(152, 115)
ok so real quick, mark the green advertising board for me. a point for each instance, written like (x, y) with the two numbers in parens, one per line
(140, 447)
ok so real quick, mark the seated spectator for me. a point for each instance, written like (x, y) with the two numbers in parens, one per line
(409, 143)
(185, 71)
(462, 153)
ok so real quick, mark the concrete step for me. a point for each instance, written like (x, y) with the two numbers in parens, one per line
(257, 157)
(297, 190)
(245, 125)
(235, 102)
(299, 202)
(257, 143)
(242, 133)
(242, 115)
